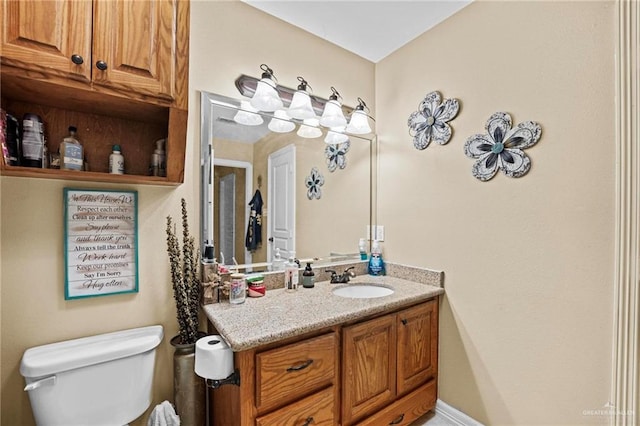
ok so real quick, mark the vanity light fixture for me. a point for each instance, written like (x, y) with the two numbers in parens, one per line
(335, 136)
(248, 115)
(281, 122)
(359, 123)
(300, 107)
(309, 129)
(266, 96)
(332, 115)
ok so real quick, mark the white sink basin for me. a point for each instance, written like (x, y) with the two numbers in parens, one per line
(362, 291)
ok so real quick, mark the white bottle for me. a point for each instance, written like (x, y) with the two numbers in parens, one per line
(116, 161)
(278, 261)
(291, 274)
(158, 160)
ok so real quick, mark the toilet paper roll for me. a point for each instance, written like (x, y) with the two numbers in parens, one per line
(214, 358)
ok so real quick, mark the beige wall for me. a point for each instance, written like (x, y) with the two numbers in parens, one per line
(227, 39)
(526, 321)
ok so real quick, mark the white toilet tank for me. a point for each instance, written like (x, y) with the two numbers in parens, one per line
(97, 380)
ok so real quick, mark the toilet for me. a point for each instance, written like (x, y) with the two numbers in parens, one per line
(98, 380)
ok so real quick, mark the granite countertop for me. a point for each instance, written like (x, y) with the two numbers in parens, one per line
(280, 315)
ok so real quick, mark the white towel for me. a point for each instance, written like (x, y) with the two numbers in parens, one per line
(164, 415)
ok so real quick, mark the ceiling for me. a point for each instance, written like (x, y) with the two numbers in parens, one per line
(371, 29)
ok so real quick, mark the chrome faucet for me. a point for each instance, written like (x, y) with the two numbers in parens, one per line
(343, 278)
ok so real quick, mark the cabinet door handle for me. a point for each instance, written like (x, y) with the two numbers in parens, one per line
(300, 366)
(398, 420)
(101, 65)
(308, 421)
(77, 59)
(404, 321)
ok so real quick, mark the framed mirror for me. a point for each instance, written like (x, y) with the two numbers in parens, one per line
(248, 165)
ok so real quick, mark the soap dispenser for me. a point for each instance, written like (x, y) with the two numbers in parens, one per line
(376, 264)
(308, 277)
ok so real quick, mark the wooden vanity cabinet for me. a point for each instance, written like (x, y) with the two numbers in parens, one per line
(378, 371)
(385, 358)
(118, 70)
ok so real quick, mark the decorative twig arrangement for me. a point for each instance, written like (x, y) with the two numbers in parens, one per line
(185, 278)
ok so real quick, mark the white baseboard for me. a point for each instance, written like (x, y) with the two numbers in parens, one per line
(456, 416)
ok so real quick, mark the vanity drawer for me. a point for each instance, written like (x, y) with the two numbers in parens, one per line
(295, 370)
(317, 409)
(406, 409)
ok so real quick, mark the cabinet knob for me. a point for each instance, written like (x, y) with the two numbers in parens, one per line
(398, 420)
(308, 421)
(101, 65)
(77, 59)
(404, 321)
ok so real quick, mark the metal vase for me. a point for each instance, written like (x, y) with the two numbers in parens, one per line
(189, 389)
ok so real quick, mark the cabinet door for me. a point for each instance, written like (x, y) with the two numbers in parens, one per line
(134, 46)
(369, 367)
(43, 36)
(417, 345)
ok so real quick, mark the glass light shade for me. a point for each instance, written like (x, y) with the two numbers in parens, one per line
(309, 129)
(336, 136)
(300, 107)
(359, 123)
(280, 122)
(248, 115)
(332, 115)
(266, 96)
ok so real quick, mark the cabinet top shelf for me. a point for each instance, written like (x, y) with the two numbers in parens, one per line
(73, 175)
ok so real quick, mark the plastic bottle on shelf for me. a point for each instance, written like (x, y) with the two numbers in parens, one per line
(116, 161)
(158, 160)
(32, 142)
(71, 151)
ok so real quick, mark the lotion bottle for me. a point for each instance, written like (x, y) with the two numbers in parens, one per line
(291, 274)
(116, 161)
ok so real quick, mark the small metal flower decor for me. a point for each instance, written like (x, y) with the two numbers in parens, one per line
(337, 155)
(430, 121)
(314, 181)
(502, 148)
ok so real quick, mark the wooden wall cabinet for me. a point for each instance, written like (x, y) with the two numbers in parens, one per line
(117, 70)
(378, 371)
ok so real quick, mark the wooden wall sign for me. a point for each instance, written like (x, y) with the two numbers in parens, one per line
(101, 242)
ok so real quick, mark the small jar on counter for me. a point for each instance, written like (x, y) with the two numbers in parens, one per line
(238, 289)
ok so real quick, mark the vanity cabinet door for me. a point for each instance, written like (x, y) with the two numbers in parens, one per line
(369, 367)
(417, 345)
(134, 46)
(48, 36)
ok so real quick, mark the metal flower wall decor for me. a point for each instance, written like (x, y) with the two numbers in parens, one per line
(502, 148)
(337, 155)
(430, 121)
(313, 182)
